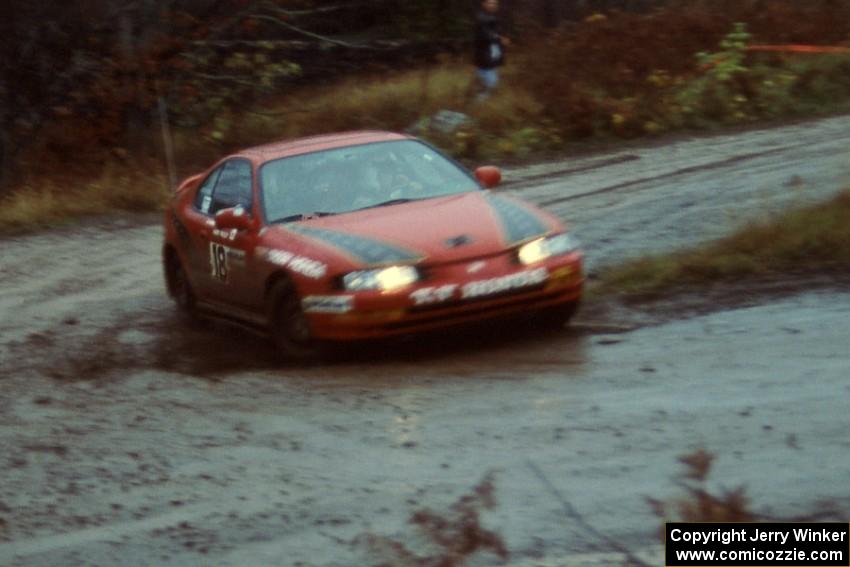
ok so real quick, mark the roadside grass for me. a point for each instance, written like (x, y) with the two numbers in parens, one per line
(510, 122)
(49, 203)
(391, 101)
(815, 238)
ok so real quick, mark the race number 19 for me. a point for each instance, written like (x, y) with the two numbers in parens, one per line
(218, 261)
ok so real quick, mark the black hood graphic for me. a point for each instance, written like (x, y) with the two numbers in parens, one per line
(367, 250)
(518, 223)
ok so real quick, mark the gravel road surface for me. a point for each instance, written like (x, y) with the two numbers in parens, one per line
(128, 438)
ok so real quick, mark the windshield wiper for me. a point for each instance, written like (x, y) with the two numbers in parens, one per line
(303, 216)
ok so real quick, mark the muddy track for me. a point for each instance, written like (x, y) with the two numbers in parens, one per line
(129, 438)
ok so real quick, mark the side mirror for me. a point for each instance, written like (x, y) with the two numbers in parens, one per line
(489, 176)
(233, 218)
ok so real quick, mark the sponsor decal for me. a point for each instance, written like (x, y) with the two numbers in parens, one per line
(366, 250)
(504, 283)
(479, 288)
(475, 267)
(432, 295)
(328, 303)
(219, 265)
(279, 257)
(225, 234)
(518, 223)
(304, 266)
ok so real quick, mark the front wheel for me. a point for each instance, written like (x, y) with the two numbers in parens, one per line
(181, 288)
(288, 325)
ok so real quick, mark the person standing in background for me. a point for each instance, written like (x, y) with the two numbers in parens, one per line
(489, 46)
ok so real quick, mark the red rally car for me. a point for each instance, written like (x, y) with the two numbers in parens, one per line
(361, 235)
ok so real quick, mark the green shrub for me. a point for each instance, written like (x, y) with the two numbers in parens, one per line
(717, 94)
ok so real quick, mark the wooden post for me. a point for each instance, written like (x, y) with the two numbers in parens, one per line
(167, 143)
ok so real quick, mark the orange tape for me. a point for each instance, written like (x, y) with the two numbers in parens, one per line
(786, 49)
(800, 48)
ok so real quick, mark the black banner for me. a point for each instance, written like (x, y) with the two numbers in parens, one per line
(757, 544)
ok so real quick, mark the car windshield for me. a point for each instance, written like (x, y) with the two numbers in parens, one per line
(357, 177)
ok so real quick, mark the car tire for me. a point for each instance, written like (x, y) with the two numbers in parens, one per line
(555, 318)
(288, 326)
(181, 289)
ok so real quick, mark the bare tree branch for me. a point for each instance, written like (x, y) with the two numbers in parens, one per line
(319, 10)
(306, 33)
(276, 43)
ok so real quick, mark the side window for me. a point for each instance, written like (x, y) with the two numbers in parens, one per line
(233, 187)
(203, 199)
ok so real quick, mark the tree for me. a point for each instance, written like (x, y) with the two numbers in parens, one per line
(70, 60)
(104, 65)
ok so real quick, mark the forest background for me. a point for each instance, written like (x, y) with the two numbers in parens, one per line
(104, 104)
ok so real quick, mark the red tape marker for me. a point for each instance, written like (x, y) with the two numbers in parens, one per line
(800, 48)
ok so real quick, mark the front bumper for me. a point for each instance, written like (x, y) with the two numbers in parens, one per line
(447, 298)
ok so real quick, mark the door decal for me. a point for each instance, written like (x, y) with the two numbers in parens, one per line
(218, 262)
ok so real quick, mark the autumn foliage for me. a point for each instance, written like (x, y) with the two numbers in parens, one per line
(89, 83)
(625, 74)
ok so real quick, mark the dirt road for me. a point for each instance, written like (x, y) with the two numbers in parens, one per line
(128, 439)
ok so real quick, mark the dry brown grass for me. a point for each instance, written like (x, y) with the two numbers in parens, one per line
(392, 101)
(46, 202)
(444, 539)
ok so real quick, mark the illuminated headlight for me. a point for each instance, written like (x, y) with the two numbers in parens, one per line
(542, 248)
(383, 279)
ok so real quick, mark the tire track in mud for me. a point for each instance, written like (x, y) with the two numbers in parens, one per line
(246, 500)
(108, 398)
(664, 176)
(534, 178)
(826, 138)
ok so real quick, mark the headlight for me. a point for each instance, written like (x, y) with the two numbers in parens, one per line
(542, 248)
(383, 279)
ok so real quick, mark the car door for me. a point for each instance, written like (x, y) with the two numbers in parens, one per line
(230, 253)
(199, 221)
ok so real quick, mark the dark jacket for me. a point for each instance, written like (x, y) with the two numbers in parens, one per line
(489, 51)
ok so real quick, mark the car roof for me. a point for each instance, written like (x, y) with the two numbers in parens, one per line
(288, 148)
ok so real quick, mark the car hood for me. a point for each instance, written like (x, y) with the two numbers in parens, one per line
(440, 230)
